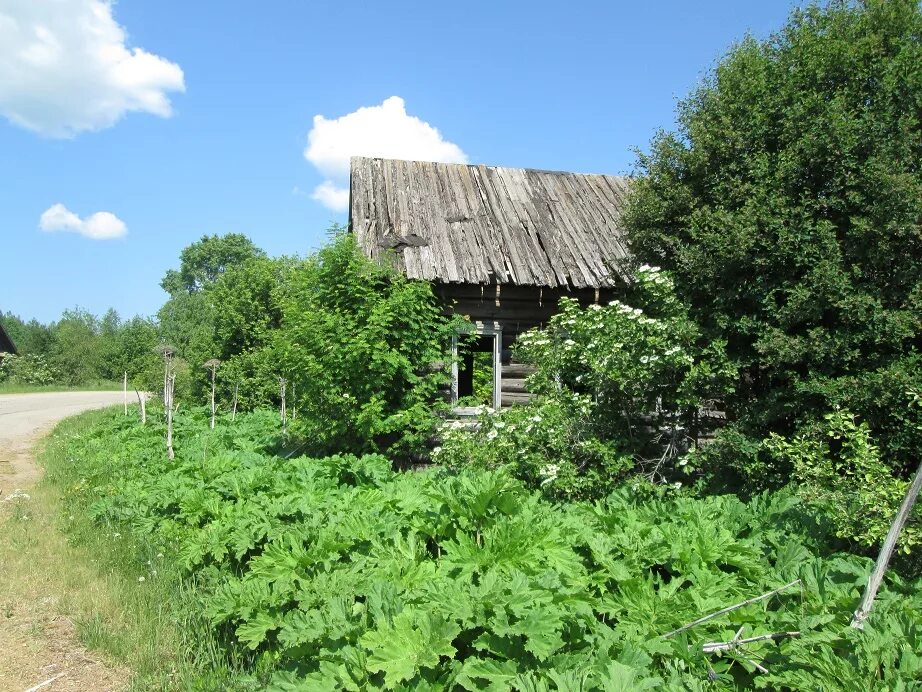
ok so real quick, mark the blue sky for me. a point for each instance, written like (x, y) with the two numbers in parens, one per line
(205, 129)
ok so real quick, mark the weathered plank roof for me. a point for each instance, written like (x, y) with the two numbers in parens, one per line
(484, 224)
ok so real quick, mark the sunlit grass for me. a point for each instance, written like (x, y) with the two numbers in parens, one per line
(126, 600)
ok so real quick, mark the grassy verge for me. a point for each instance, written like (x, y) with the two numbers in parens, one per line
(122, 596)
(97, 386)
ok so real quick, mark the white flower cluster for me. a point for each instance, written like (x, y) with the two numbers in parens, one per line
(549, 473)
(653, 275)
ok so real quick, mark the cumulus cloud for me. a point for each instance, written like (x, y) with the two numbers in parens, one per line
(331, 196)
(65, 67)
(102, 225)
(385, 131)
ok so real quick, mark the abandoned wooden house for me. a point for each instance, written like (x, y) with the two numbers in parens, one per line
(500, 245)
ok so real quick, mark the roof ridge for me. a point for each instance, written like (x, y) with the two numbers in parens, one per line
(488, 165)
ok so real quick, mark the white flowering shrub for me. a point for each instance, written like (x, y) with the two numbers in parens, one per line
(548, 443)
(618, 390)
(29, 369)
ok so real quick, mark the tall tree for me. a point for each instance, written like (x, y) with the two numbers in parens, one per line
(31, 338)
(76, 349)
(187, 317)
(202, 262)
(789, 208)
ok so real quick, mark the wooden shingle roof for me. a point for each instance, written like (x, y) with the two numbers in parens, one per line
(457, 223)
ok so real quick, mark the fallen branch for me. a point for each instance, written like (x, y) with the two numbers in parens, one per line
(758, 666)
(46, 683)
(886, 551)
(734, 643)
(141, 400)
(729, 609)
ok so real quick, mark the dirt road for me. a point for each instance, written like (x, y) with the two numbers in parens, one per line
(46, 585)
(24, 418)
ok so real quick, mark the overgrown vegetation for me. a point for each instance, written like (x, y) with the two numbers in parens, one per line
(788, 209)
(619, 391)
(79, 350)
(61, 568)
(339, 573)
(565, 543)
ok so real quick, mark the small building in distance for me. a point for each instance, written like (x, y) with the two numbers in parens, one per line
(500, 246)
(6, 343)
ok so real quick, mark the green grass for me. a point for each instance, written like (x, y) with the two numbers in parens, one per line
(95, 386)
(127, 601)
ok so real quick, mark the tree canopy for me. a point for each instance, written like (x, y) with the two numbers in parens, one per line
(202, 262)
(788, 208)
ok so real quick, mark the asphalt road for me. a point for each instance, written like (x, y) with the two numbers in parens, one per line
(24, 418)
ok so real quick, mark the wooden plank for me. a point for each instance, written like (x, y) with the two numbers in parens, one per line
(577, 271)
(514, 386)
(474, 263)
(509, 398)
(599, 223)
(558, 229)
(517, 371)
(484, 225)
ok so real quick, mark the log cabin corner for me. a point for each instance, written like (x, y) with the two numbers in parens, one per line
(500, 246)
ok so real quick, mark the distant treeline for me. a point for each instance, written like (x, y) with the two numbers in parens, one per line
(81, 348)
(78, 349)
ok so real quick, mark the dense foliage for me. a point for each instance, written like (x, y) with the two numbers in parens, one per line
(358, 340)
(788, 208)
(339, 573)
(80, 349)
(619, 390)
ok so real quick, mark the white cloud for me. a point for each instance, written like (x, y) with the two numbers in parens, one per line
(331, 196)
(384, 131)
(65, 68)
(102, 225)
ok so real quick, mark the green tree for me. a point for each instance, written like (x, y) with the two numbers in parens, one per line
(788, 207)
(187, 319)
(249, 313)
(76, 351)
(130, 349)
(202, 262)
(357, 340)
(31, 338)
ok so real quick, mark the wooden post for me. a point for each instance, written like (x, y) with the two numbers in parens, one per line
(497, 368)
(283, 413)
(166, 352)
(166, 376)
(455, 393)
(234, 409)
(171, 383)
(125, 391)
(213, 366)
(886, 551)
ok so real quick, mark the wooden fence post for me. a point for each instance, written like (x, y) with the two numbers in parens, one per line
(213, 366)
(283, 412)
(171, 384)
